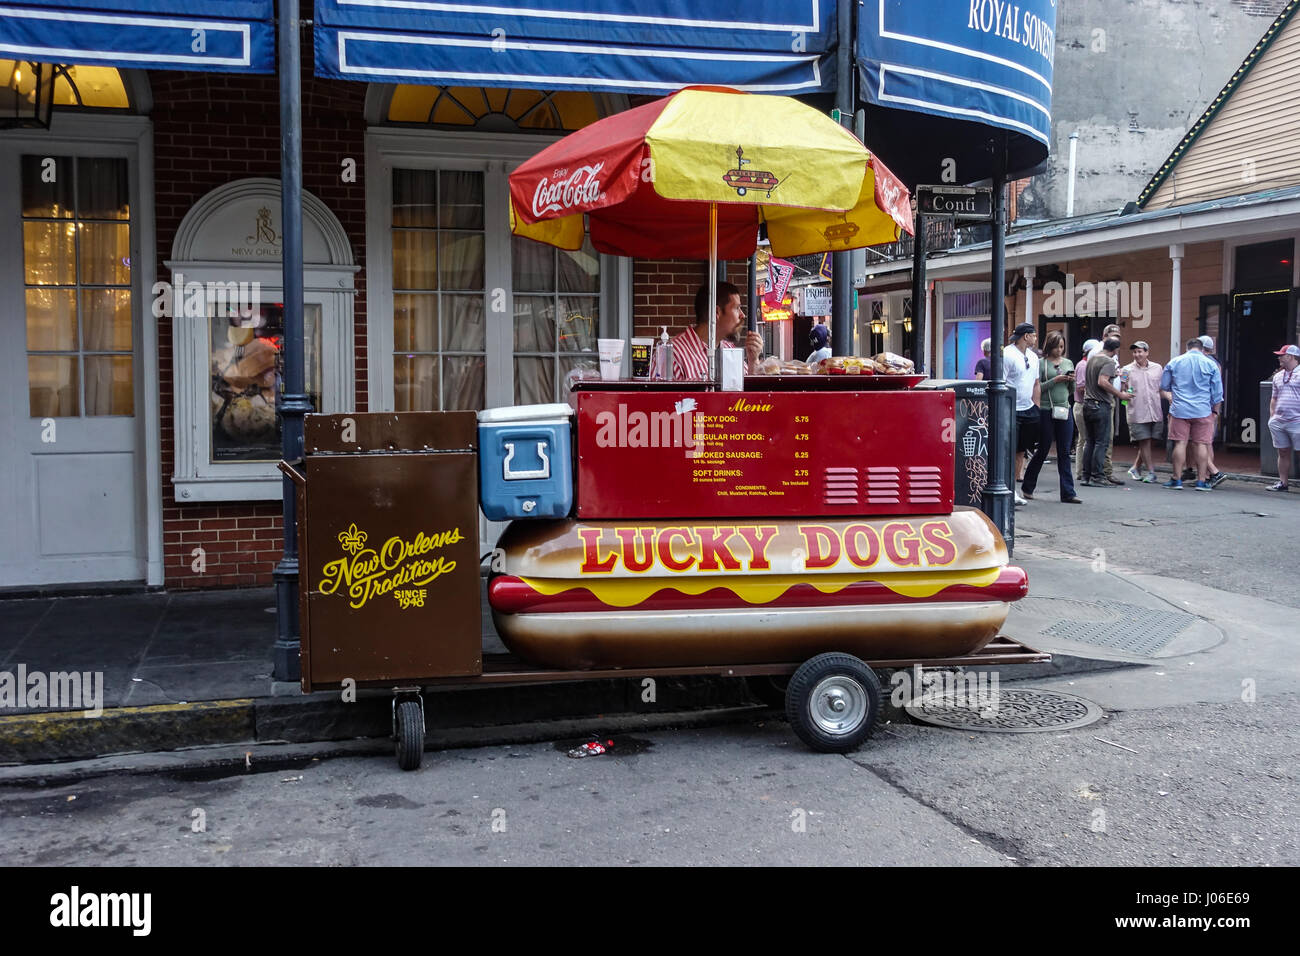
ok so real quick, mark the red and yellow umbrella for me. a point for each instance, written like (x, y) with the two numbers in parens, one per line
(647, 178)
(693, 175)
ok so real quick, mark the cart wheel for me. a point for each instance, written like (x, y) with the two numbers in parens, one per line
(769, 689)
(410, 734)
(832, 702)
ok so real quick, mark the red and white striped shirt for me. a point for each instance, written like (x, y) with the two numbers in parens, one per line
(1286, 390)
(690, 359)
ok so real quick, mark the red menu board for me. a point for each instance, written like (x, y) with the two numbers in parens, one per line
(668, 454)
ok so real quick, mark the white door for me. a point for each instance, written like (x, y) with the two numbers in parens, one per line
(71, 482)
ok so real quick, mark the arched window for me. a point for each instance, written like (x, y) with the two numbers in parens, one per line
(498, 110)
(75, 85)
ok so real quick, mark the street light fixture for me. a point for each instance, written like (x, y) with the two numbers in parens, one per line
(27, 99)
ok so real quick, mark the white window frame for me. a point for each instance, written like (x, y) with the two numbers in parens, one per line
(496, 155)
(330, 286)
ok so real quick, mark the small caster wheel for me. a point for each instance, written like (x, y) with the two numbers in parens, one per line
(832, 702)
(409, 731)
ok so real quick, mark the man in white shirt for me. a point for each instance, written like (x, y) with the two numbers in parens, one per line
(1020, 367)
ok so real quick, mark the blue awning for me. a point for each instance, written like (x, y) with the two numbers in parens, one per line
(937, 74)
(654, 46)
(233, 36)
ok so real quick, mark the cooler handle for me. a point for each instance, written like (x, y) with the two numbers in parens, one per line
(543, 472)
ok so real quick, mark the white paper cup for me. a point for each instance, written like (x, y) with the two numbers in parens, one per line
(611, 359)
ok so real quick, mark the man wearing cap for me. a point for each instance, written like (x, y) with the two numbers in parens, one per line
(1145, 417)
(1080, 432)
(1216, 476)
(1112, 332)
(1020, 366)
(1284, 412)
(1099, 397)
(1192, 384)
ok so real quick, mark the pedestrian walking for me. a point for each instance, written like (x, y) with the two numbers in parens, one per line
(1020, 367)
(1284, 412)
(984, 367)
(1081, 433)
(1112, 332)
(1140, 381)
(1216, 476)
(1055, 422)
(1194, 388)
(1099, 397)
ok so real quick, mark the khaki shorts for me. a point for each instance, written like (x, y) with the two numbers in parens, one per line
(1140, 431)
(1285, 434)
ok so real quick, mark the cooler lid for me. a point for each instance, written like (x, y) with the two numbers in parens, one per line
(556, 411)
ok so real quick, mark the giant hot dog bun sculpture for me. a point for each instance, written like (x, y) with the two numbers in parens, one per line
(581, 594)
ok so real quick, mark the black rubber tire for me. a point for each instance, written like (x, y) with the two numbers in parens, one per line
(801, 705)
(769, 689)
(410, 734)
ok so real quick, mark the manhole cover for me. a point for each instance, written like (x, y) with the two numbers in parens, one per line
(1019, 711)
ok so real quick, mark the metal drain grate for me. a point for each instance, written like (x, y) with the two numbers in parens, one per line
(1019, 711)
(1123, 627)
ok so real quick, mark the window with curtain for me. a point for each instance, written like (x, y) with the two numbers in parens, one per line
(556, 317)
(76, 221)
(439, 330)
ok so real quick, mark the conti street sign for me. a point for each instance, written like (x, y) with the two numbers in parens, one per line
(961, 202)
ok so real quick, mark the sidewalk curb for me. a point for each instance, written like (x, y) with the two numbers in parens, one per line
(455, 717)
(68, 735)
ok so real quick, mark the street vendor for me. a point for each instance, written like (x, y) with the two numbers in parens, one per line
(690, 358)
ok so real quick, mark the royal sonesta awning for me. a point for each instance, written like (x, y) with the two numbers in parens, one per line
(938, 79)
(233, 36)
(653, 46)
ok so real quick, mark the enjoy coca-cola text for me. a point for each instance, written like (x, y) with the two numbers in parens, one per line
(579, 188)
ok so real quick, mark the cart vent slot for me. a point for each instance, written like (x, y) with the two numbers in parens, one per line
(924, 485)
(841, 486)
(883, 485)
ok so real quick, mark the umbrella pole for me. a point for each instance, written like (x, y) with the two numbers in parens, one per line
(712, 344)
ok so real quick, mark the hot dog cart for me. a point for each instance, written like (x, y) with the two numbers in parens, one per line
(800, 527)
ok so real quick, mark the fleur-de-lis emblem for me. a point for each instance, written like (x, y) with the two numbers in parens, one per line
(352, 539)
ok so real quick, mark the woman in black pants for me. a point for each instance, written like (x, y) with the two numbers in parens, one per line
(1056, 377)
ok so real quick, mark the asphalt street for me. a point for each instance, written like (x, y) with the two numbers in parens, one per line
(1207, 784)
(1194, 762)
(1238, 537)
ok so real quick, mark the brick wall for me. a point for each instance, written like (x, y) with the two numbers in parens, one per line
(663, 292)
(210, 129)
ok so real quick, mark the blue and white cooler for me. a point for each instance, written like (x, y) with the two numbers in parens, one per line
(525, 461)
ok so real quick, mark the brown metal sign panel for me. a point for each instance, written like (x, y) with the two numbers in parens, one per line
(391, 567)
(391, 431)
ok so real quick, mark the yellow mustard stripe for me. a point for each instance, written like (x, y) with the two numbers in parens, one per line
(760, 589)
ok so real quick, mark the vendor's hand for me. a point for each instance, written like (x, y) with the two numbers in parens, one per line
(753, 346)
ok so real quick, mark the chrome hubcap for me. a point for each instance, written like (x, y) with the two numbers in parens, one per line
(839, 705)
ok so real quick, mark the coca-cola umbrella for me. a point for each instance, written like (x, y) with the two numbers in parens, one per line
(693, 175)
